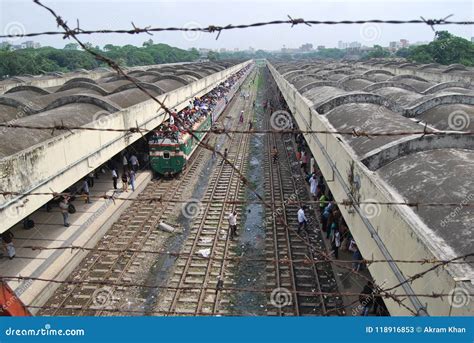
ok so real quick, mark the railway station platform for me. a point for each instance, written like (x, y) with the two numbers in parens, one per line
(87, 226)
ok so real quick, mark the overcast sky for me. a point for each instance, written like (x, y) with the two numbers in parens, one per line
(19, 15)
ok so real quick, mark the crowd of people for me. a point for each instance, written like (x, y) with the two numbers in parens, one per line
(197, 109)
(334, 226)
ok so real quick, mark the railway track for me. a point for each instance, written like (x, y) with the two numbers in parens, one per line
(209, 236)
(286, 189)
(135, 229)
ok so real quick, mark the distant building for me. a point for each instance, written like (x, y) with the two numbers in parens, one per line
(236, 49)
(403, 43)
(354, 45)
(252, 50)
(306, 47)
(341, 45)
(321, 47)
(472, 39)
(25, 45)
(31, 45)
(348, 45)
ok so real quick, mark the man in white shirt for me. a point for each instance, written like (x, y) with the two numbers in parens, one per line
(301, 219)
(125, 162)
(232, 224)
(313, 183)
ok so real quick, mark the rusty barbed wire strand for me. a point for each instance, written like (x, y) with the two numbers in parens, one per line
(305, 261)
(418, 275)
(351, 132)
(229, 289)
(219, 28)
(239, 202)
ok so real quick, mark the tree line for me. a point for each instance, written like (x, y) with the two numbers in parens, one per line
(444, 49)
(70, 58)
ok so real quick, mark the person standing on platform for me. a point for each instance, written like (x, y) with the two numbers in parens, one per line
(7, 238)
(313, 185)
(134, 162)
(124, 182)
(86, 191)
(114, 178)
(302, 221)
(241, 118)
(132, 180)
(90, 179)
(366, 298)
(336, 241)
(64, 207)
(125, 163)
(232, 219)
(250, 125)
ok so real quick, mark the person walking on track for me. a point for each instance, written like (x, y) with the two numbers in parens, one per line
(225, 155)
(302, 221)
(275, 154)
(232, 224)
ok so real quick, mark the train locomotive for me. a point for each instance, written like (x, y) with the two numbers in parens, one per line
(171, 147)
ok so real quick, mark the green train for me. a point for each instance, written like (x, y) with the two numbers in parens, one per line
(170, 152)
(169, 156)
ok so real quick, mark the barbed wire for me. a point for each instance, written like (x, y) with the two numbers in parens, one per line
(219, 28)
(239, 202)
(305, 261)
(419, 275)
(354, 132)
(217, 287)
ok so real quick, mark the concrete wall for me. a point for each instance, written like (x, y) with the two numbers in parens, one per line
(56, 164)
(382, 232)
